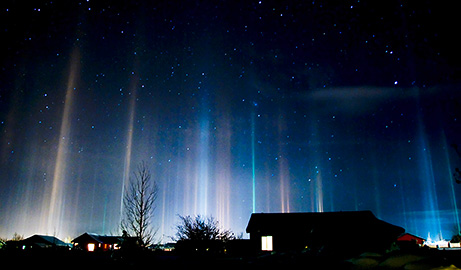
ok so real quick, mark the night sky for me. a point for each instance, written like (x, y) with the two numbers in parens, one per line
(236, 106)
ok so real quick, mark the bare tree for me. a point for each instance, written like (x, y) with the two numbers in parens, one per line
(201, 229)
(17, 237)
(139, 205)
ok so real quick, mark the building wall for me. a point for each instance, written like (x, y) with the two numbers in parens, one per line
(280, 241)
(408, 237)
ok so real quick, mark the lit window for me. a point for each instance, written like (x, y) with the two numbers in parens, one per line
(91, 247)
(266, 243)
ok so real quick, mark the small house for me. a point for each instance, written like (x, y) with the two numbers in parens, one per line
(94, 242)
(41, 241)
(344, 232)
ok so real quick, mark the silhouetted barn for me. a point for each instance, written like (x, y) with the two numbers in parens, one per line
(327, 232)
(41, 241)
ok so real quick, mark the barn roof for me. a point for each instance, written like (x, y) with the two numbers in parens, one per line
(411, 235)
(104, 239)
(43, 240)
(325, 221)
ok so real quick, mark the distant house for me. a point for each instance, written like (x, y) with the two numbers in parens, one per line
(344, 232)
(95, 242)
(163, 247)
(41, 241)
(411, 238)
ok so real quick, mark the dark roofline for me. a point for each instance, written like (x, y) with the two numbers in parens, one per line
(297, 220)
(419, 237)
(46, 239)
(104, 239)
(83, 235)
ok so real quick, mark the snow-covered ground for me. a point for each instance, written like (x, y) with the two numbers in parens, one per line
(437, 260)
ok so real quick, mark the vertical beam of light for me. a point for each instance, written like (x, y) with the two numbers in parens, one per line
(162, 221)
(311, 196)
(203, 177)
(318, 192)
(317, 188)
(27, 212)
(223, 173)
(429, 189)
(284, 188)
(452, 188)
(404, 205)
(283, 172)
(189, 189)
(55, 207)
(253, 162)
(129, 143)
(177, 191)
(104, 216)
(165, 187)
(401, 190)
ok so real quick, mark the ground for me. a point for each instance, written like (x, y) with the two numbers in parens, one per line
(420, 259)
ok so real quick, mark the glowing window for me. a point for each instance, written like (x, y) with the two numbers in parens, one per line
(91, 247)
(266, 243)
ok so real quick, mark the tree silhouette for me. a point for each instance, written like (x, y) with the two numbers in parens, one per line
(139, 205)
(201, 229)
(201, 235)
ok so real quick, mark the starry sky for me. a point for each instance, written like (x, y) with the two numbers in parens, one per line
(236, 106)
